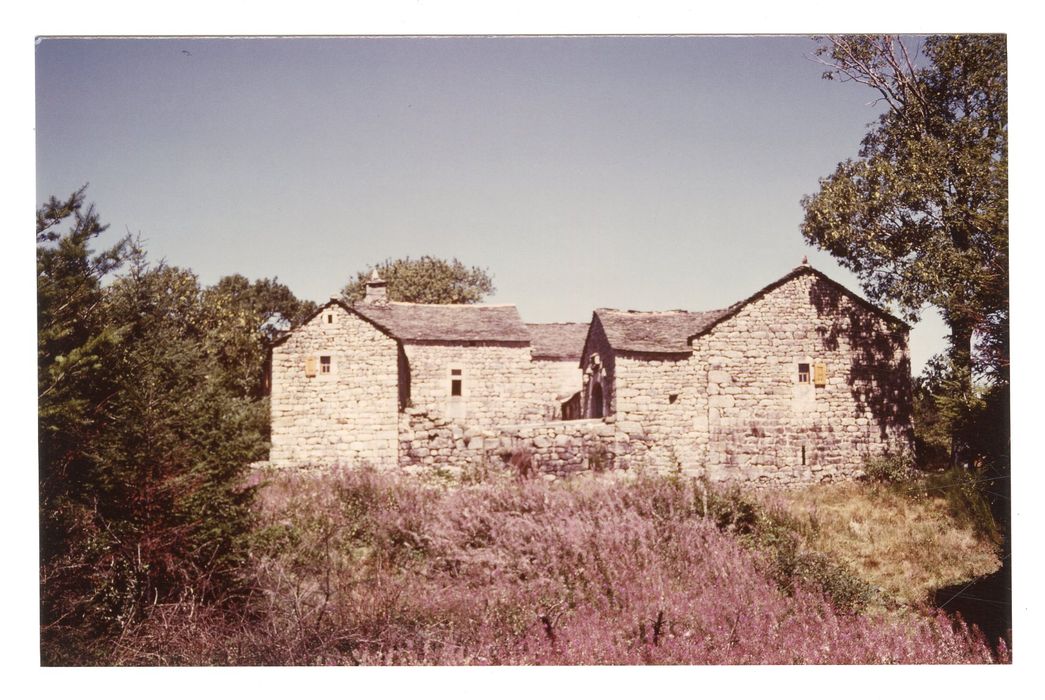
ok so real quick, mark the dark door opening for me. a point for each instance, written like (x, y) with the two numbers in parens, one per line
(596, 400)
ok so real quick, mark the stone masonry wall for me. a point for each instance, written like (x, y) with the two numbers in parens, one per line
(659, 403)
(497, 382)
(765, 425)
(555, 381)
(557, 448)
(347, 416)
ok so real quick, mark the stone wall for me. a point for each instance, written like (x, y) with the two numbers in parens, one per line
(559, 448)
(766, 425)
(497, 382)
(555, 382)
(658, 402)
(348, 415)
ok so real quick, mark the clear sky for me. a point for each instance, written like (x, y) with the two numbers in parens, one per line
(630, 172)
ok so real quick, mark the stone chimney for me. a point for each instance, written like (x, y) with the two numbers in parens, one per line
(376, 289)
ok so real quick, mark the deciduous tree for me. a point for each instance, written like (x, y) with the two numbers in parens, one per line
(921, 216)
(426, 280)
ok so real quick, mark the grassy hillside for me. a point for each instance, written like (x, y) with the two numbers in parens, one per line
(375, 568)
(907, 539)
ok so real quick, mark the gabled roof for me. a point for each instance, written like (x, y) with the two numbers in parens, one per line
(802, 269)
(654, 331)
(446, 322)
(673, 331)
(557, 341)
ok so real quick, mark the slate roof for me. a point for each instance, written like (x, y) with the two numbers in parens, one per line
(447, 322)
(672, 331)
(654, 331)
(557, 341)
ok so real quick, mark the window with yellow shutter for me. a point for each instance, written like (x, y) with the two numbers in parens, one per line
(310, 366)
(820, 374)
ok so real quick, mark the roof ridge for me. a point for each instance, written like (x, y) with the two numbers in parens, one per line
(557, 323)
(469, 306)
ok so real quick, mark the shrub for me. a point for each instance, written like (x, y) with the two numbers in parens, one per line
(889, 467)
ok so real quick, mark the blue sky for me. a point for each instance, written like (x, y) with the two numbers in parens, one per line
(629, 172)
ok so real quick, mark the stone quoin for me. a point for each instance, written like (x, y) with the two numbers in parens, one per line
(800, 382)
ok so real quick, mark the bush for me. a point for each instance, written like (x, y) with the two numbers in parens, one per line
(889, 467)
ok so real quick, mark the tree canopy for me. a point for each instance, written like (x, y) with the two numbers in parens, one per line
(426, 280)
(922, 215)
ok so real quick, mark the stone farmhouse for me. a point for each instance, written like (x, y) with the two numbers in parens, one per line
(799, 382)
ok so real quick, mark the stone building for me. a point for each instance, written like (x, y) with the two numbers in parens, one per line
(798, 382)
(349, 379)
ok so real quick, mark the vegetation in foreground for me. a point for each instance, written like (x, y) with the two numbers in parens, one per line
(365, 567)
(907, 539)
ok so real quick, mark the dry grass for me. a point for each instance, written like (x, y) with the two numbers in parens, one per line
(904, 538)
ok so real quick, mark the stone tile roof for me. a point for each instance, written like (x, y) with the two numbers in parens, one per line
(672, 331)
(447, 322)
(557, 341)
(654, 331)
(803, 269)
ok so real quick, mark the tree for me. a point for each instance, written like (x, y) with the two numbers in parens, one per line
(922, 215)
(149, 415)
(426, 280)
(74, 381)
(245, 318)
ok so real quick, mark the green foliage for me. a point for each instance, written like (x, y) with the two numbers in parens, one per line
(968, 499)
(889, 467)
(922, 216)
(244, 318)
(779, 538)
(150, 413)
(426, 280)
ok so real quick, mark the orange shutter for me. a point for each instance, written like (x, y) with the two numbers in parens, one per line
(820, 374)
(310, 366)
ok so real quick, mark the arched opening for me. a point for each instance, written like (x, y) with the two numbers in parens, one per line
(596, 399)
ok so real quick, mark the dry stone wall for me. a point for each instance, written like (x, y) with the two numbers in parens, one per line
(348, 415)
(557, 448)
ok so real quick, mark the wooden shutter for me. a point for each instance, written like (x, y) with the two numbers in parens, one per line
(310, 366)
(820, 374)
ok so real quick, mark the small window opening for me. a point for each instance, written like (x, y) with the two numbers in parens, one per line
(803, 455)
(455, 382)
(672, 398)
(803, 372)
(330, 318)
(324, 364)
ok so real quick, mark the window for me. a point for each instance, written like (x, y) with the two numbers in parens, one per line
(330, 318)
(455, 382)
(310, 366)
(803, 372)
(324, 364)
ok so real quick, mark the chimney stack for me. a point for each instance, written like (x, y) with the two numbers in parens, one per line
(376, 289)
